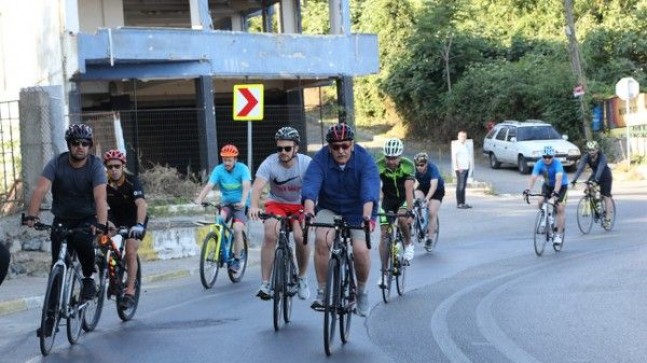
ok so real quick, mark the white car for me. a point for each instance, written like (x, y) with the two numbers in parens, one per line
(522, 144)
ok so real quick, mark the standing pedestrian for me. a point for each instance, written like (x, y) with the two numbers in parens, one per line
(461, 159)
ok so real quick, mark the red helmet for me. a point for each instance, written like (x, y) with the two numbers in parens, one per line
(114, 155)
(229, 150)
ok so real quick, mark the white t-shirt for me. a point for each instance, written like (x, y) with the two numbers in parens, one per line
(285, 183)
(462, 156)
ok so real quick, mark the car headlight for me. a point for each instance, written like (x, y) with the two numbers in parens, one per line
(573, 152)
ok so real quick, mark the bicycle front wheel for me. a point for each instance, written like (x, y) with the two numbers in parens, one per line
(277, 288)
(400, 271)
(128, 313)
(331, 303)
(585, 214)
(387, 272)
(94, 307)
(209, 260)
(290, 288)
(610, 214)
(236, 276)
(347, 301)
(50, 315)
(75, 307)
(540, 236)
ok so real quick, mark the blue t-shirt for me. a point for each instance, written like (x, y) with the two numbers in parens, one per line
(230, 182)
(432, 172)
(550, 171)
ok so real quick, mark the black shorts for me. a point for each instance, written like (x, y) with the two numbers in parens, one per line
(548, 190)
(439, 194)
(393, 204)
(605, 186)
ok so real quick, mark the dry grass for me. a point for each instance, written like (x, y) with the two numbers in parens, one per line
(165, 185)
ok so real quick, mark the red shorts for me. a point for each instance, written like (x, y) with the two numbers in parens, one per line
(283, 209)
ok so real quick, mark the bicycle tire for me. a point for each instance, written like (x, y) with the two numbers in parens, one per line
(401, 272)
(128, 314)
(242, 262)
(51, 310)
(331, 303)
(94, 307)
(387, 273)
(612, 220)
(540, 239)
(278, 280)
(585, 214)
(347, 301)
(291, 285)
(209, 260)
(75, 306)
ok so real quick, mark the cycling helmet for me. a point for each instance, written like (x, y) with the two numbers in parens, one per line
(393, 147)
(421, 158)
(339, 132)
(592, 145)
(114, 155)
(549, 151)
(78, 132)
(288, 133)
(229, 150)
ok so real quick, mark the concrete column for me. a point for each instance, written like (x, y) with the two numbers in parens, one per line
(340, 24)
(290, 16)
(200, 15)
(237, 23)
(207, 139)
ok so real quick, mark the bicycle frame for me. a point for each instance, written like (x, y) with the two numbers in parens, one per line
(548, 209)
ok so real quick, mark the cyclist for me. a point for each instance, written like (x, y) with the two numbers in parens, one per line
(78, 183)
(600, 173)
(234, 181)
(343, 180)
(397, 176)
(127, 208)
(430, 188)
(555, 186)
(284, 171)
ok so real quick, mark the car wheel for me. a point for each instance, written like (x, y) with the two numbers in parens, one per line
(494, 163)
(522, 165)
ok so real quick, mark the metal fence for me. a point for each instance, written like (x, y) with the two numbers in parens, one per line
(11, 198)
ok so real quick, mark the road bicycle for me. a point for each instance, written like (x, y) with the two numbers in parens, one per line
(285, 279)
(420, 225)
(592, 208)
(63, 295)
(111, 279)
(394, 266)
(545, 229)
(217, 250)
(341, 286)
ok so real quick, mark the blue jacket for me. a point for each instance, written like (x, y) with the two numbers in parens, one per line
(344, 192)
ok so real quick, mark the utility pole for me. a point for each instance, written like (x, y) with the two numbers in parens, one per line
(576, 63)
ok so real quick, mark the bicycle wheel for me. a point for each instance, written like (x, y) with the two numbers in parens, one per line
(612, 219)
(584, 214)
(540, 239)
(331, 303)
(75, 307)
(94, 307)
(242, 262)
(400, 271)
(347, 301)
(50, 316)
(278, 272)
(290, 288)
(209, 260)
(387, 273)
(127, 314)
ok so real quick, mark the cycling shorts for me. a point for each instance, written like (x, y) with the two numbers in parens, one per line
(283, 209)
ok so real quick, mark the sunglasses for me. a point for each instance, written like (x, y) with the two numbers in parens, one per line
(80, 143)
(287, 149)
(548, 156)
(113, 166)
(421, 165)
(340, 147)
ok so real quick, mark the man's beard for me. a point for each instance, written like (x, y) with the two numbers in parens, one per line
(78, 158)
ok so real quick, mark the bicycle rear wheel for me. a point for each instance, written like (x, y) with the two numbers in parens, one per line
(242, 262)
(75, 307)
(400, 271)
(278, 271)
(291, 286)
(612, 213)
(50, 315)
(347, 301)
(585, 214)
(331, 303)
(94, 307)
(540, 239)
(209, 260)
(128, 313)
(387, 273)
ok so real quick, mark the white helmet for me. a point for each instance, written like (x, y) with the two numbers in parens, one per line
(393, 147)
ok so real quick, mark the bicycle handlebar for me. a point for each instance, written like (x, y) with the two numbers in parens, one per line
(40, 226)
(337, 223)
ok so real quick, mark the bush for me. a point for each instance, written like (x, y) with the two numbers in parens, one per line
(165, 185)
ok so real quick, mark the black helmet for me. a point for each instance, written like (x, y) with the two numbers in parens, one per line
(78, 132)
(288, 133)
(339, 132)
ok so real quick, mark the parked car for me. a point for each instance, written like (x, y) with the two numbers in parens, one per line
(522, 143)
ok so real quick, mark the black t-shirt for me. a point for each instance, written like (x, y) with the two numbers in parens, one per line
(121, 200)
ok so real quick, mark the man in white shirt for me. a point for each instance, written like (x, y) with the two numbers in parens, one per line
(462, 166)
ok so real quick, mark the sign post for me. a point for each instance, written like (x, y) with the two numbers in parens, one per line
(248, 106)
(627, 89)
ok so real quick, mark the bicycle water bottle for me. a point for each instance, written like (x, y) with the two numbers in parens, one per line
(598, 199)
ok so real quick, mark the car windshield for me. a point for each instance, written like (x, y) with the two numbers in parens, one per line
(537, 133)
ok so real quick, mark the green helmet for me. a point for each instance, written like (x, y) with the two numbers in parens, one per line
(592, 145)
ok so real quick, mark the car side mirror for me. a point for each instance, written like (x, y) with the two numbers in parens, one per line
(565, 137)
(513, 139)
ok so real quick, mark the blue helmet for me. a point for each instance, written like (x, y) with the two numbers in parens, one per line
(549, 151)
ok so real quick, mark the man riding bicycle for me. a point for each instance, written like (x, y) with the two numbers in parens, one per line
(430, 188)
(397, 176)
(234, 181)
(128, 208)
(555, 186)
(284, 171)
(342, 180)
(600, 174)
